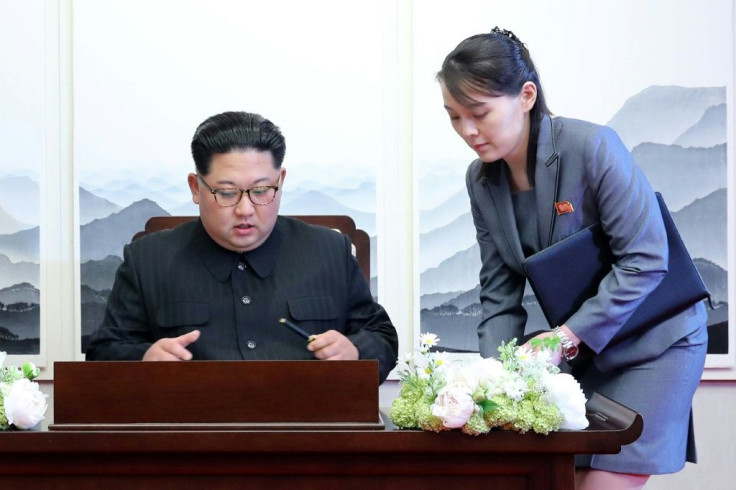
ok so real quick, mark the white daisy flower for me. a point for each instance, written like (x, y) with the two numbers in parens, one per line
(429, 339)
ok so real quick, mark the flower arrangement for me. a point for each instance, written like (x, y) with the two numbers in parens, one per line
(22, 405)
(521, 391)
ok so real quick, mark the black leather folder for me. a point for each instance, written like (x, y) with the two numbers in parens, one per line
(564, 275)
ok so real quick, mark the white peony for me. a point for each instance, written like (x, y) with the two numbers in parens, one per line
(569, 398)
(460, 372)
(25, 405)
(491, 376)
(454, 405)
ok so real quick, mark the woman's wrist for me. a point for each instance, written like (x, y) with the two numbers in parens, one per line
(568, 349)
(570, 335)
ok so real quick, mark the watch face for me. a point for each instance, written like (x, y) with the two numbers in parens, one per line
(571, 352)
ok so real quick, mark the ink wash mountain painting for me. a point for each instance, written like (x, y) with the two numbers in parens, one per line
(678, 137)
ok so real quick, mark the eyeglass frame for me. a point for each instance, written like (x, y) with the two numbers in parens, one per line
(242, 191)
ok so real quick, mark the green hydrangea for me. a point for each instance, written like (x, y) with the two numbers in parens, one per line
(9, 374)
(504, 412)
(4, 388)
(427, 421)
(525, 415)
(476, 425)
(548, 419)
(403, 411)
(531, 413)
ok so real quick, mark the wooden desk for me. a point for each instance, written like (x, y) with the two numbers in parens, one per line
(304, 459)
(312, 425)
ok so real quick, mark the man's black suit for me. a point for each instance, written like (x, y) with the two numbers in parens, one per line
(176, 281)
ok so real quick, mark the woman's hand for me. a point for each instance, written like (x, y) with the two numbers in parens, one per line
(555, 356)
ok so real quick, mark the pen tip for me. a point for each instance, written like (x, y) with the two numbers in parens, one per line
(282, 320)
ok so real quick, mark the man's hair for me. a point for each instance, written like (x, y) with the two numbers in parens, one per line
(236, 131)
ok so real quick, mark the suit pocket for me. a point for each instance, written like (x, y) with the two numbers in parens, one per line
(171, 315)
(313, 308)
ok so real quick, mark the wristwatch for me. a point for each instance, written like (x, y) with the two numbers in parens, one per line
(568, 349)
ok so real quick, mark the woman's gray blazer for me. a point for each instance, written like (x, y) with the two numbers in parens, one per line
(588, 166)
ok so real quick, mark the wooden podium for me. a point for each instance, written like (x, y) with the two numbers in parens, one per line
(274, 424)
(216, 395)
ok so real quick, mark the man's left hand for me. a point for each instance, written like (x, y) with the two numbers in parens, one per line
(333, 346)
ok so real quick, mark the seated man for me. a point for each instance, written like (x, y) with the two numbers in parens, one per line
(215, 288)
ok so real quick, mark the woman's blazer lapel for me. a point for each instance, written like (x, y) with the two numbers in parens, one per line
(547, 180)
(546, 184)
(497, 183)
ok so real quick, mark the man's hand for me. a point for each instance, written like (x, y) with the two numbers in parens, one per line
(171, 349)
(333, 346)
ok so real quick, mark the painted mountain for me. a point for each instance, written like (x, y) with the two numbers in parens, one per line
(20, 319)
(678, 137)
(662, 114)
(106, 236)
(9, 225)
(316, 202)
(101, 251)
(92, 207)
(20, 200)
(19, 265)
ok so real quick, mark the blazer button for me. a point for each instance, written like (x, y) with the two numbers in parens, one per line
(251, 344)
(245, 300)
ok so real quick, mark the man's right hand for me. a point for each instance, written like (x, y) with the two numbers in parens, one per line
(172, 349)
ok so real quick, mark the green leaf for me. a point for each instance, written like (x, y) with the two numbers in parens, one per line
(488, 405)
(545, 343)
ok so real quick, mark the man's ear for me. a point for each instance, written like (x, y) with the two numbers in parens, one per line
(193, 182)
(528, 96)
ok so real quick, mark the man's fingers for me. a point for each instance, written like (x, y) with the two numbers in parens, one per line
(323, 340)
(317, 342)
(178, 345)
(160, 351)
(172, 349)
(161, 355)
(333, 345)
(176, 349)
(187, 338)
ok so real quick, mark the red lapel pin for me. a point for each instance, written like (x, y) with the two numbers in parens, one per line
(564, 207)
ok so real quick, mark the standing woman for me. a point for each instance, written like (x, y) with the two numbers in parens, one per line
(539, 179)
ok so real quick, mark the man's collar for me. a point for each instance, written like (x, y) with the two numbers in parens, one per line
(220, 261)
(263, 258)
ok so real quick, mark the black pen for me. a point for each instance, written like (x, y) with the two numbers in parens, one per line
(298, 330)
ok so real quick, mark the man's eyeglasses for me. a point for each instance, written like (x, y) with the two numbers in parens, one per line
(260, 195)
